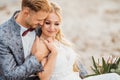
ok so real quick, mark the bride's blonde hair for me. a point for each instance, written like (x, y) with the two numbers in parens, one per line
(59, 36)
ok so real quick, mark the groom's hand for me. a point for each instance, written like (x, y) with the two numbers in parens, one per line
(39, 49)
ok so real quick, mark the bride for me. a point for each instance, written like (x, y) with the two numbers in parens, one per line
(61, 65)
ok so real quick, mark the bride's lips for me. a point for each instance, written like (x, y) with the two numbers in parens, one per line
(51, 31)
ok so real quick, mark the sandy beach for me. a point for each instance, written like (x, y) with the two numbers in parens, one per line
(92, 25)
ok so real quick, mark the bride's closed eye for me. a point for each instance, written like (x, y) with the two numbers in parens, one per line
(47, 22)
(57, 24)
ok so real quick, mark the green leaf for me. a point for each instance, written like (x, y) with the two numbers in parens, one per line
(95, 66)
(104, 65)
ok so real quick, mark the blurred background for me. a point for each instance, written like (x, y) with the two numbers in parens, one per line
(92, 25)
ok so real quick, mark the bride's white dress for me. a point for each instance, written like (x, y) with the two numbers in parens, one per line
(64, 67)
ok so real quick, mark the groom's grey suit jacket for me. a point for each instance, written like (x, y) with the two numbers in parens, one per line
(13, 66)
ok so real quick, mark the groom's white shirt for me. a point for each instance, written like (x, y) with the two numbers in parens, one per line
(27, 41)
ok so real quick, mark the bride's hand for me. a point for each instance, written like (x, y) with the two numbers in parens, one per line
(50, 45)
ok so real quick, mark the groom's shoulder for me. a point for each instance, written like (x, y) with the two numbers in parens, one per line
(5, 27)
(5, 24)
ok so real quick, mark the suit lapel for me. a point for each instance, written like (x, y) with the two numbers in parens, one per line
(18, 49)
(16, 42)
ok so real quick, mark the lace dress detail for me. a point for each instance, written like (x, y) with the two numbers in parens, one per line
(64, 64)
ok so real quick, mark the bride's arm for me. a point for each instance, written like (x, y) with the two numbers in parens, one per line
(48, 67)
(50, 62)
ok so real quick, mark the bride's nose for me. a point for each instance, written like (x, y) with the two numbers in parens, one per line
(52, 27)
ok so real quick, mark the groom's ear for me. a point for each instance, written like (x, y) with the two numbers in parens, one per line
(38, 31)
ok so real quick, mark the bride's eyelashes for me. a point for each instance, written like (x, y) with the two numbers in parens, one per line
(48, 23)
(57, 24)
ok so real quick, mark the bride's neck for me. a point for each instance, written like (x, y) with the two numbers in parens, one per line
(46, 37)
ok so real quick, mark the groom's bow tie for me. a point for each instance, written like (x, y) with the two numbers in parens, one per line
(28, 30)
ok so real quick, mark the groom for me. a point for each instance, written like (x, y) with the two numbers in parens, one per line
(18, 59)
